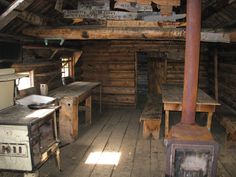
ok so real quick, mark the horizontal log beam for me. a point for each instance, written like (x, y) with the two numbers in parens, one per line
(49, 48)
(89, 33)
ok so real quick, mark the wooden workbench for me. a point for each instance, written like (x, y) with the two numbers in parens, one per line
(70, 96)
(172, 96)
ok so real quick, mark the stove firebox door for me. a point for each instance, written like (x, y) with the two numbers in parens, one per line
(191, 159)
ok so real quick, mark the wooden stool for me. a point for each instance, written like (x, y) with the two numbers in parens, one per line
(151, 118)
(151, 127)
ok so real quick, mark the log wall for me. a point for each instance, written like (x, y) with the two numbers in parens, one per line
(44, 73)
(115, 68)
(114, 64)
(226, 74)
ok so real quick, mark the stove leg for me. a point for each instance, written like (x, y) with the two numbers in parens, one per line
(58, 159)
(32, 174)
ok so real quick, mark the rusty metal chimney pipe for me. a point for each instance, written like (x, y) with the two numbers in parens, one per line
(192, 54)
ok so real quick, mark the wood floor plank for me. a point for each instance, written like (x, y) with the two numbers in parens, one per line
(229, 164)
(157, 158)
(221, 171)
(125, 166)
(85, 170)
(142, 161)
(113, 145)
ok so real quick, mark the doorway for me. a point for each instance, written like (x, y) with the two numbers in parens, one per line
(150, 74)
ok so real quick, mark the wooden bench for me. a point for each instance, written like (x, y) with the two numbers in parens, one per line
(151, 117)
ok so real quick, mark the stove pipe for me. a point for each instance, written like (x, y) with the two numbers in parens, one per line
(192, 54)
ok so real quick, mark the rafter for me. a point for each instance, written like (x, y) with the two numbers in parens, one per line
(218, 6)
(13, 6)
(9, 15)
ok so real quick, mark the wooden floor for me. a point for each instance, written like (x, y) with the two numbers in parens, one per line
(119, 130)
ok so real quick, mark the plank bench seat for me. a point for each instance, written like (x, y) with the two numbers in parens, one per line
(151, 117)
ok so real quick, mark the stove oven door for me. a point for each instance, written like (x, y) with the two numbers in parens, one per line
(42, 140)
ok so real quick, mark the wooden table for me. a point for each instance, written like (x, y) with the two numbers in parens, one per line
(172, 96)
(70, 96)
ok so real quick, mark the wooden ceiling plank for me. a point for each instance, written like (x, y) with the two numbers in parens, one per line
(133, 7)
(119, 15)
(167, 2)
(166, 10)
(215, 9)
(4, 2)
(142, 24)
(32, 18)
(59, 5)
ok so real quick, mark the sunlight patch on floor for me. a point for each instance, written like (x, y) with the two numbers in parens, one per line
(103, 158)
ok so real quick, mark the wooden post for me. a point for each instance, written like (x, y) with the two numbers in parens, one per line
(216, 74)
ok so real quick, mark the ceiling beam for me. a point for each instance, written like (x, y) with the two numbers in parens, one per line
(95, 33)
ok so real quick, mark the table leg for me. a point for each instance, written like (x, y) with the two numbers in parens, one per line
(68, 119)
(100, 98)
(88, 112)
(55, 126)
(166, 123)
(209, 120)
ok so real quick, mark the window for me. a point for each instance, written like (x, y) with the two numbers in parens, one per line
(25, 82)
(66, 67)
